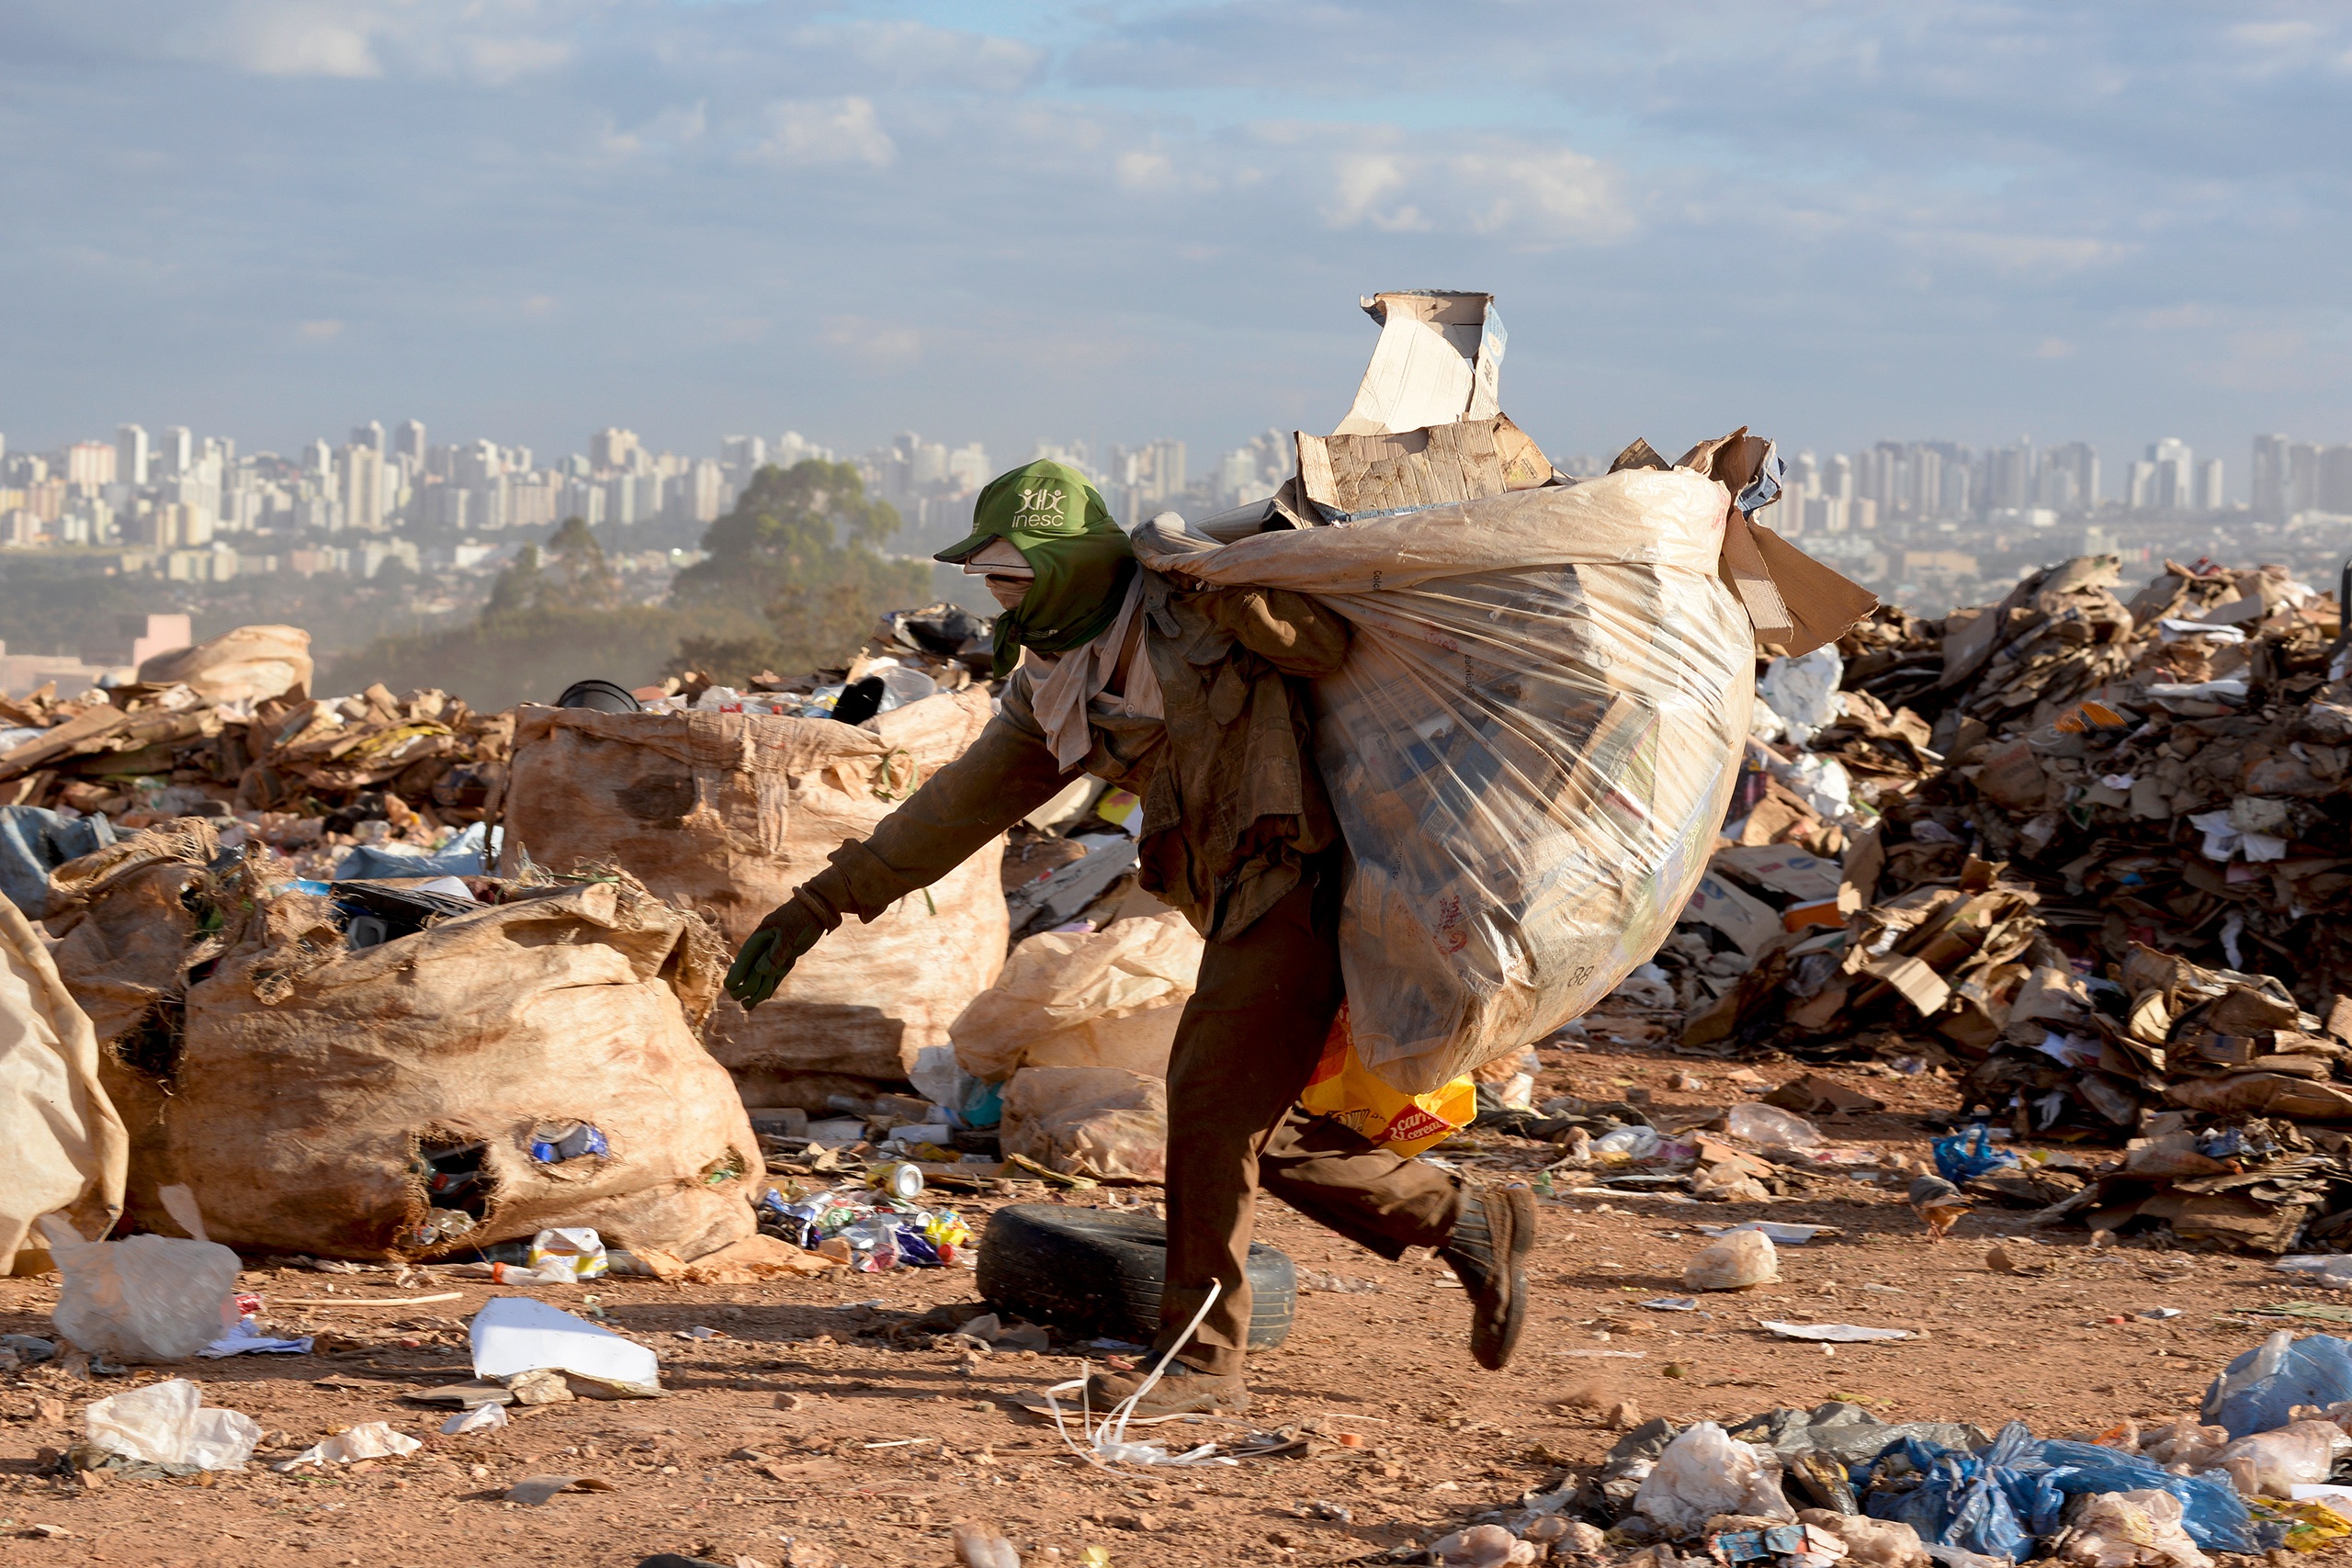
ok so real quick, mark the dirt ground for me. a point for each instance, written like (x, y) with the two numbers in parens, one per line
(802, 1425)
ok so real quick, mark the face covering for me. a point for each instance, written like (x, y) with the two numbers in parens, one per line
(1056, 520)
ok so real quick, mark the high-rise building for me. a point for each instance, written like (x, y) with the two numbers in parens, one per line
(609, 450)
(370, 436)
(2174, 487)
(91, 464)
(410, 441)
(744, 455)
(359, 485)
(176, 451)
(131, 455)
(2266, 478)
(318, 461)
(2209, 487)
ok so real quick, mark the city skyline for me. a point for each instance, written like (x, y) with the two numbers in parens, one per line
(1964, 220)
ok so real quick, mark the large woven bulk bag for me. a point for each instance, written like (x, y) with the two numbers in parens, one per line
(331, 1101)
(728, 813)
(1529, 745)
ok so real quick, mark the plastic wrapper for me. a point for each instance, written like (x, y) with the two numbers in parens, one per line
(1733, 1262)
(2124, 1529)
(2275, 1462)
(169, 1424)
(2259, 1390)
(1771, 1126)
(2184, 1442)
(1348, 1092)
(1529, 745)
(370, 1439)
(1706, 1471)
(145, 1298)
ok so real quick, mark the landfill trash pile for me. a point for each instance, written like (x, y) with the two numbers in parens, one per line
(910, 655)
(2260, 1467)
(2075, 847)
(391, 783)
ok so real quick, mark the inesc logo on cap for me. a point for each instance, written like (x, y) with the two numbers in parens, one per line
(1044, 511)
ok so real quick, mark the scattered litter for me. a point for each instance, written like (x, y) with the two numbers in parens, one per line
(534, 1491)
(1782, 1232)
(246, 1339)
(1737, 1260)
(370, 1439)
(1833, 1333)
(482, 1417)
(1673, 1304)
(168, 1424)
(516, 1334)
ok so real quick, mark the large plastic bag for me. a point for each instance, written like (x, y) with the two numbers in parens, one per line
(1997, 1501)
(1106, 999)
(1706, 1471)
(2258, 1391)
(1529, 745)
(61, 1144)
(144, 1298)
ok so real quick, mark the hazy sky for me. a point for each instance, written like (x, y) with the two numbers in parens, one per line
(526, 218)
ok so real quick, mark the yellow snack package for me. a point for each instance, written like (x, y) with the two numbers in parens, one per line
(1347, 1091)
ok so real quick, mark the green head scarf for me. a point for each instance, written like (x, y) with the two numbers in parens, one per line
(1083, 561)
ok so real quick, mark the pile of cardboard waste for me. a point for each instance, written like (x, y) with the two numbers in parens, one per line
(2083, 847)
(228, 730)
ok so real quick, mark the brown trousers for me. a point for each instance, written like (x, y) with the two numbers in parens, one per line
(1247, 1044)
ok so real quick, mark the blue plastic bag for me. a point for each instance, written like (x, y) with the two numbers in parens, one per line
(1963, 1156)
(2256, 1391)
(2211, 1510)
(1999, 1500)
(35, 842)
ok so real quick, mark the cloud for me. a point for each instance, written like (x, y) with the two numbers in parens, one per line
(1362, 184)
(284, 37)
(320, 331)
(825, 133)
(871, 346)
(2053, 348)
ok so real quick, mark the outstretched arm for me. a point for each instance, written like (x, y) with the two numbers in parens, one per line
(1007, 772)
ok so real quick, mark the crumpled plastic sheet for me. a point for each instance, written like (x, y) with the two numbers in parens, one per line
(1998, 1501)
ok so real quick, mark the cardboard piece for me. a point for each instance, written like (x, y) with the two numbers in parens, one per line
(1783, 868)
(1746, 919)
(1351, 477)
(1438, 359)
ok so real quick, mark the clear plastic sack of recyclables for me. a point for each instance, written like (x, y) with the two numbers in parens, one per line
(1529, 746)
(1997, 1501)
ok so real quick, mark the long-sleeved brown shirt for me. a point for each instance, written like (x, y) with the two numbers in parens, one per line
(1232, 803)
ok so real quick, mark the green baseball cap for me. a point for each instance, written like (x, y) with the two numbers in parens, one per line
(1035, 504)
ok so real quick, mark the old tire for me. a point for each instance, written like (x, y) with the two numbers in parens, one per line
(1098, 1272)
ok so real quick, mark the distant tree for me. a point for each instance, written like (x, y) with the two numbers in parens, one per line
(517, 587)
(577, 576)
(794, 579)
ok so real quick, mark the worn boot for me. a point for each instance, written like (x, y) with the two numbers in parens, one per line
(1488, 1252)
(1183, 1391)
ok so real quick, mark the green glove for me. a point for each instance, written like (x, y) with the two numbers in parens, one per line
(772, 952)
